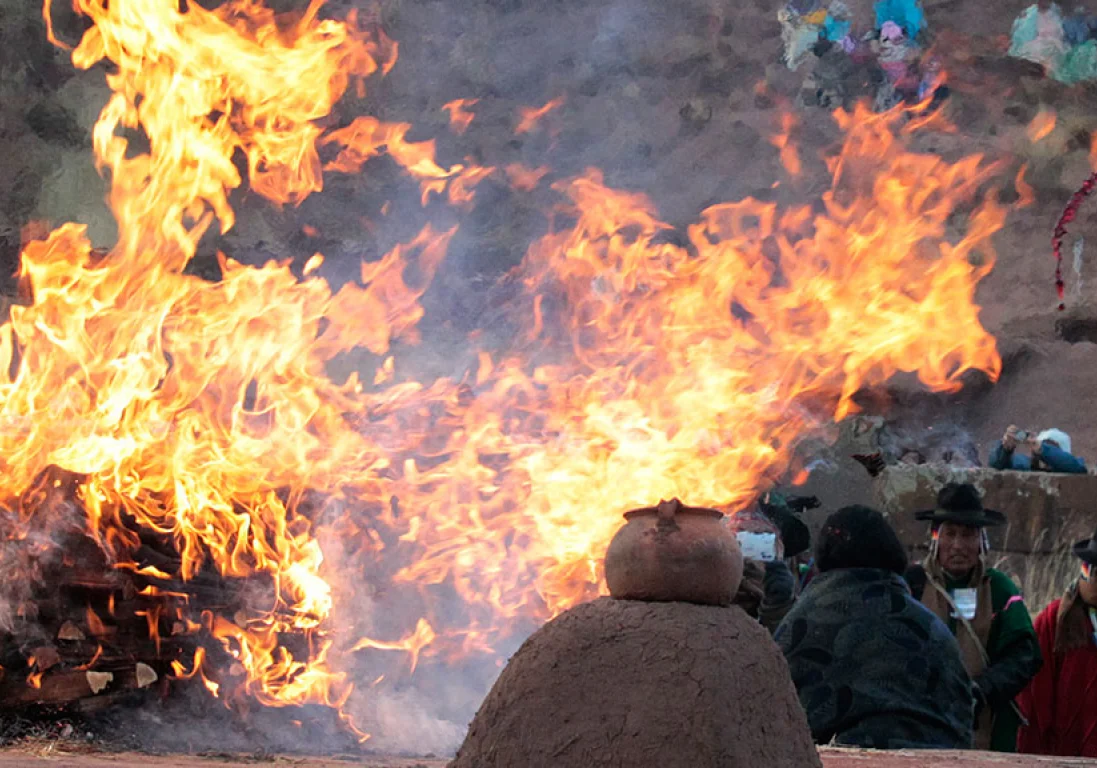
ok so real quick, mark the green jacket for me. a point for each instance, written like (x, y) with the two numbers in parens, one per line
(1014, 652)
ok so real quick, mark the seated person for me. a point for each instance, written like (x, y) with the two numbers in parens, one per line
(873, 667)
(1050, 452)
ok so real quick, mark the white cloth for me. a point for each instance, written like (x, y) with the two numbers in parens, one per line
(1057, 436)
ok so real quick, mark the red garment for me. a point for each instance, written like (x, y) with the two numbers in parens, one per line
(1060, 703)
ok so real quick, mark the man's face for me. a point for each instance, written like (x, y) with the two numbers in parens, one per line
(958, 548)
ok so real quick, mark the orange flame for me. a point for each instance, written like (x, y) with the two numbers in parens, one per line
(96, 627)
(413, 644)
(790, 155)
(98, 653)
(530, 117)
(671, 394)
(152, 618)
(525, 179)
(460, 117)
(1026, 195)
(367, 137)
(1041, 126)
(176, 445)
(179, 670)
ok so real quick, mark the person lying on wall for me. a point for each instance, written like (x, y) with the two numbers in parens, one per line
(872, 666)
(983, 609)
(1059, 703)
(1049, 451)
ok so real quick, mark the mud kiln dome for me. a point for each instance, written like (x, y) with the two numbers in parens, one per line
(632, 684)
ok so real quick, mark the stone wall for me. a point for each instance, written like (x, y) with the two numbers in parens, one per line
(1047, 513)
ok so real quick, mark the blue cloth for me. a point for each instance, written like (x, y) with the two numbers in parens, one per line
(1078, 26)
(835, 30)
(1052, 459)
(1079, 65)
(907, 14)
(873, 667)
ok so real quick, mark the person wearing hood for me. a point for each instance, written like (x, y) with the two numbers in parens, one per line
(1050, 452)
(1059, 703)
(983, 609)
(872, 667)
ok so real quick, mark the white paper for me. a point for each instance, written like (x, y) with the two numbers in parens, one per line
(758, 546)
(967, 601)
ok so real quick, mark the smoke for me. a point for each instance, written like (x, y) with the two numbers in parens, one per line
(405, 724)
(40, 535)
(911, 441)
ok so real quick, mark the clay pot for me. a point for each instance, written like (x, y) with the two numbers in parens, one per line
(674, 553)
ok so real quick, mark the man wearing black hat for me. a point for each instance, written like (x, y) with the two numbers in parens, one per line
(982, 607)
(1059, 703)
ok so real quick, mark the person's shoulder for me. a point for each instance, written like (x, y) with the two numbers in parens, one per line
(1001, 583)
(1004, 592)
(916, 578)
(936, 631)
(1051, 610)
(1048, 619)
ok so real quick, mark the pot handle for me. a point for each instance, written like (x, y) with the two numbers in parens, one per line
(668, 509)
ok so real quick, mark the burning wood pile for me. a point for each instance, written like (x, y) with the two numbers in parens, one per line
(84, 629)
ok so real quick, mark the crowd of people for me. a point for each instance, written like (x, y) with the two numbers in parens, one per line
(940, 654)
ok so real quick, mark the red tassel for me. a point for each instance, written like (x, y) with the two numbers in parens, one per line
(1069, 213)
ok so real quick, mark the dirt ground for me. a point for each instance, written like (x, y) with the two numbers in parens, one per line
(832, 758)
(45, 755)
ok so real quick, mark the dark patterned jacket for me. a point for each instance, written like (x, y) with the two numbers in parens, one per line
(873, 667)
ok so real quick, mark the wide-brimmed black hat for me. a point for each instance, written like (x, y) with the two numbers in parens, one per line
(1086, 549)
(961, 503)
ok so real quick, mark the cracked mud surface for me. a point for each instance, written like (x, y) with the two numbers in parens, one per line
(625, 683)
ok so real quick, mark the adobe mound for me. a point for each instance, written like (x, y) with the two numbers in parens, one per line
(635, 684)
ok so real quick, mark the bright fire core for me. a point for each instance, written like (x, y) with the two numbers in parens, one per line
(637, 369)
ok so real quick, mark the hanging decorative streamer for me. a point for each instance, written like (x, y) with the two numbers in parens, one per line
(1069, 213)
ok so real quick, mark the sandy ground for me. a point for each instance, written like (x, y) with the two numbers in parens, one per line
(832, 758)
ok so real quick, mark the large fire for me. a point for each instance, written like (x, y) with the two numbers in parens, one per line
(637, 367)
